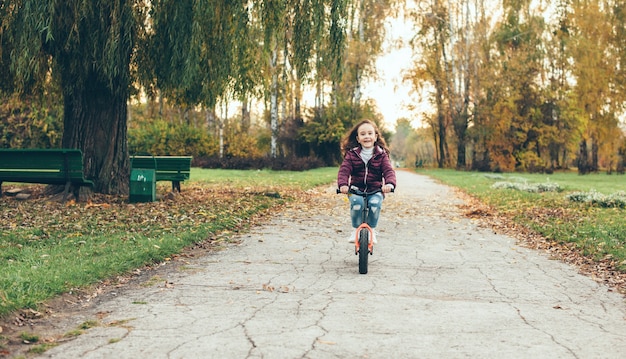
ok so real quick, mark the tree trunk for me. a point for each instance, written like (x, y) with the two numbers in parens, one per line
(245, 115)
(95, 122)
(274, 106)
(441, 125)
(442, 141)
(461, 164)
(583, 162)
(594, 167)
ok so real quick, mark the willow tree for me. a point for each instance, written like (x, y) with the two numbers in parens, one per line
(303, 44)
(198, 52)
(295, 34)
(271, 14)
(364, 43)
(87, 47)
(288, 42)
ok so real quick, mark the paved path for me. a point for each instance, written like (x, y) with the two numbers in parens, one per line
(439, 286)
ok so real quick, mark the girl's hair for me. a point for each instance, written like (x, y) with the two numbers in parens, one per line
(348, 141)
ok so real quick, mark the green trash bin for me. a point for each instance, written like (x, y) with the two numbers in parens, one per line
(142, 185)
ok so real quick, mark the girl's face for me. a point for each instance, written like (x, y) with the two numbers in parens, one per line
(366, 135)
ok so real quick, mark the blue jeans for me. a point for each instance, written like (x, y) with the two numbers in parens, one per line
(357, 205)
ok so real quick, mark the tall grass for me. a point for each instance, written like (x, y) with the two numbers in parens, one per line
(598, 231)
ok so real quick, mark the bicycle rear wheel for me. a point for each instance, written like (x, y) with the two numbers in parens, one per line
(364, 235)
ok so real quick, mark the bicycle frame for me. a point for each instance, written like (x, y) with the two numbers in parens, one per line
(364, 225)
(360, 234)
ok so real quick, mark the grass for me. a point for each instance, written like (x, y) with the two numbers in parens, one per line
(598, 232)
(49, 248)
(265, 178)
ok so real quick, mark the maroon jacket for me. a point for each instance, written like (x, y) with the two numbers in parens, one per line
(354, 173)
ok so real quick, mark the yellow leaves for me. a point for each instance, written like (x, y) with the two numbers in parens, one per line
(196, 207)
(270, 288)
(96, 205)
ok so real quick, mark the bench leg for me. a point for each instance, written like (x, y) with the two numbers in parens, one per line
(67, 189)
(0, 188)
(176, 186)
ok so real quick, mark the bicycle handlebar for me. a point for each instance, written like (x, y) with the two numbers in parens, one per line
(355, 190)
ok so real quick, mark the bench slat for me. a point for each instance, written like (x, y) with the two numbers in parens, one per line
(47, 166)
(167, 168)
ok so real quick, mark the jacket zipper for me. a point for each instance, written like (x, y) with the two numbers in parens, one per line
(367, 167)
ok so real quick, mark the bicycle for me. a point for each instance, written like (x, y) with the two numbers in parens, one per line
(364, 231)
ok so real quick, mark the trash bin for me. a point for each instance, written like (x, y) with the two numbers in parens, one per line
(142, 185)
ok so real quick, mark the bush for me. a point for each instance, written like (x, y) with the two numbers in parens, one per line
(161, 138)
(530, 162)
(30, 124)
(615, 200)
(232, 163)
(533, 188)
(296, 163)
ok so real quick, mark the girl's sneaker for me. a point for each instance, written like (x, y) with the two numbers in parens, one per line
(353, 236)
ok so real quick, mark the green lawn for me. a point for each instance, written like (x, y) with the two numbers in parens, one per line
(49, 248)
(265, 178)
(570, 181)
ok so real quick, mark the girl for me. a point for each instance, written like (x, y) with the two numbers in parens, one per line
(365, 165)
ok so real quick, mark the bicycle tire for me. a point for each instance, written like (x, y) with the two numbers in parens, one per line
(363, 250)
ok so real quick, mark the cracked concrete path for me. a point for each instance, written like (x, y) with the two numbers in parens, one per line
(439, 286)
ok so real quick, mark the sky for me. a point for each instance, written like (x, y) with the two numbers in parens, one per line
(391, 94)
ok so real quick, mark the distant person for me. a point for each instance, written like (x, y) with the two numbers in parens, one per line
(366, 166)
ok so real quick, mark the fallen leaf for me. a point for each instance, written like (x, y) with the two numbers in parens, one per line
(326, 342)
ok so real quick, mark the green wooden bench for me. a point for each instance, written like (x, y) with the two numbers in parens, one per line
(46, 166)
(167, 168)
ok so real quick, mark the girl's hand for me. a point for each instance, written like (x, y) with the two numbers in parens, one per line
(387, 188)
(344, 189)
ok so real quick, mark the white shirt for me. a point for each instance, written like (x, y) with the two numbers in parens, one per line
(367, 154)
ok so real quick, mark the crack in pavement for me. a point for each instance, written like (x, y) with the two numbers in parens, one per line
(439, 285)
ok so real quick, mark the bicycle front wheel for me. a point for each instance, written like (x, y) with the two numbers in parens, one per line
(364, 236)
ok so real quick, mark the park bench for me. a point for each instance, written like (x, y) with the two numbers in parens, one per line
(167, 168)
(46, 166)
